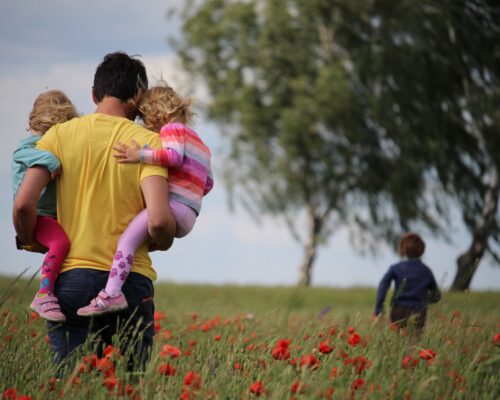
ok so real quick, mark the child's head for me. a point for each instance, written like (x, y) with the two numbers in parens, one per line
(411, 245)
(50, 108)
(161, 105)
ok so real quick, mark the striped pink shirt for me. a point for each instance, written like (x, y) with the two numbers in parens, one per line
(188, 161)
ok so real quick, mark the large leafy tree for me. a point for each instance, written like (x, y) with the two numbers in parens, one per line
(436, 74)
(292, 93)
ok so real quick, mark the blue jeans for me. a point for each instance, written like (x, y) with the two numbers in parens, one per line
(134, 326)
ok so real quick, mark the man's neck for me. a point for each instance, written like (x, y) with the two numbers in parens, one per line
(112, 106)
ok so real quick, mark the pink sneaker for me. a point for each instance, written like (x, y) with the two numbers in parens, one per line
(103, 304)
(47, 306)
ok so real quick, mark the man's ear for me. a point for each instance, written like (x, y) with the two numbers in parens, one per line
(138, 95)
(94, 98)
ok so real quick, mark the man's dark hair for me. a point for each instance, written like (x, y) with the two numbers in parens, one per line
(119, 75)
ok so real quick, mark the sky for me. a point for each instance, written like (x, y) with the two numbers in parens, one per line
(57, 44)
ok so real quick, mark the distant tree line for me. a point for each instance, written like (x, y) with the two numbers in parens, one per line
(378, 116)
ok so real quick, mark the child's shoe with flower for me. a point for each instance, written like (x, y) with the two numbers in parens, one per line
(47, 306)
(103, 304)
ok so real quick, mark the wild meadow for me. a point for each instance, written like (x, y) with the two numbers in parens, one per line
(228, 342)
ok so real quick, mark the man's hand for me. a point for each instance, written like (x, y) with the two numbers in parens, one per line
(126, 154)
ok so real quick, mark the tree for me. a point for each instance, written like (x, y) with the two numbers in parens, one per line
(284, 79)
(438, 69)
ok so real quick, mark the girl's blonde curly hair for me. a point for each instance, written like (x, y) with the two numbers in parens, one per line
(50, 108)
(161, 105)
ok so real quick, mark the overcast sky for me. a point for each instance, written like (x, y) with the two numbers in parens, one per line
(57, 44)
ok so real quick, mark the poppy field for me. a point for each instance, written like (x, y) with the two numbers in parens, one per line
(228, 342)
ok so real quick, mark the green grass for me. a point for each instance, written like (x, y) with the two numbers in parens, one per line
(249, 322)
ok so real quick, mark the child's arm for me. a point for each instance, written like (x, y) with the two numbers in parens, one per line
(32, 157)
(209, 184)
(383, 287)
(434, 292)
(171, 155)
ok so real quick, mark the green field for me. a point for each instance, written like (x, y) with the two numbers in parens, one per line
(226, 336)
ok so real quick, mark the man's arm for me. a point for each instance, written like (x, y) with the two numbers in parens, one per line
(24, 212)
(161, 223)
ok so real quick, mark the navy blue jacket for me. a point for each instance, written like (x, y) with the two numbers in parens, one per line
(415, 286)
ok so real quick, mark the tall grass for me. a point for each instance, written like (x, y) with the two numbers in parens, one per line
(226, 335)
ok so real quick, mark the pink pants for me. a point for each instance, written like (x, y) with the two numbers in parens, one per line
(50, 234)
(135, 234)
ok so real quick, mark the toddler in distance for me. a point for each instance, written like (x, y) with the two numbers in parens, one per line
(415, 285)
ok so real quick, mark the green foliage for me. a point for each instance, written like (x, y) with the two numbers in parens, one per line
(284, 77)
(368, 114)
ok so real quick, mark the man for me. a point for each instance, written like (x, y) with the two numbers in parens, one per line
(96, 199)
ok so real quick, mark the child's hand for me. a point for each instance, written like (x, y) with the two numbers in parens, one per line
(126, 154)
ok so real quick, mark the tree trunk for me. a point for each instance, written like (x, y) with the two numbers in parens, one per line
(310, 250)
(468, 262)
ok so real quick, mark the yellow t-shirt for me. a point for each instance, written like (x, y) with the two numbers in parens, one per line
(97, 197)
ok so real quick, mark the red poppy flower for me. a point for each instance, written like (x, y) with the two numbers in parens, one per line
(358, 384)
(106, 366)
(192, 379)
(409, 362)
(169, 350)
(257, 388)
(10, 394)
(159, 316)
(237, 366)
(111, 351)
(309, 361)
(496, 339)
(324, 348)
(427, 354)
(298, 388)
(351, 329)
(166, 369)
(217, 337)
(110, 382)
(360, 363)
(354, 339)
(167, 334)
(281, 350)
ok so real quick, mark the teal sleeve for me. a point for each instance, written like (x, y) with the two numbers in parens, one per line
(32, 157)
